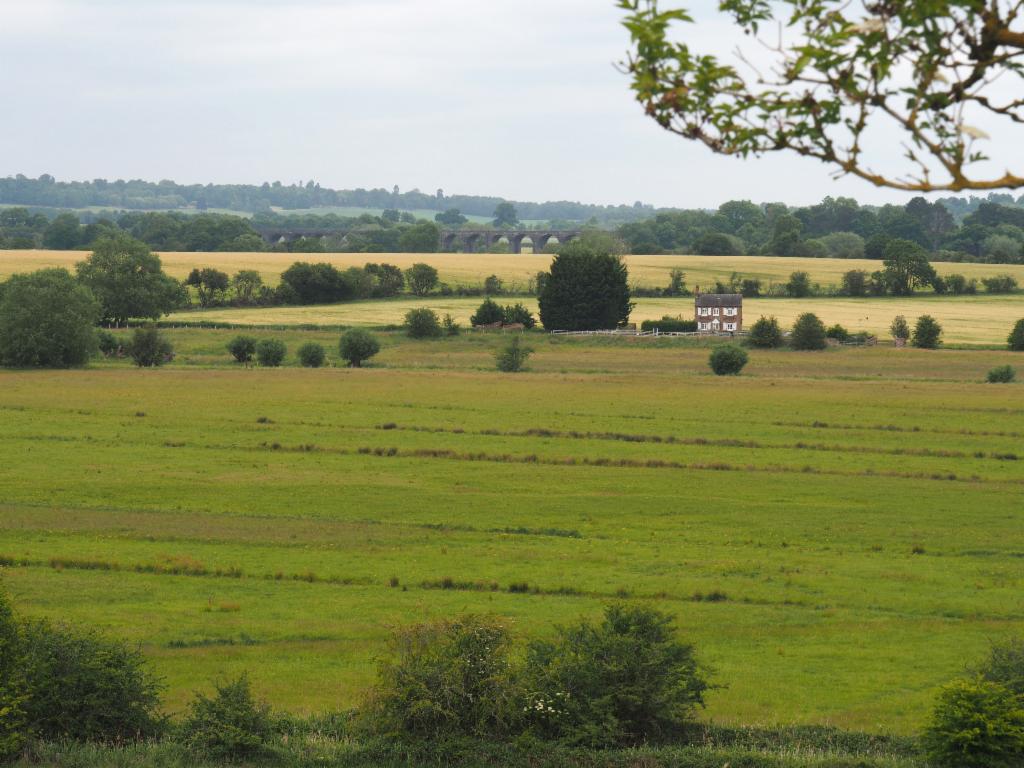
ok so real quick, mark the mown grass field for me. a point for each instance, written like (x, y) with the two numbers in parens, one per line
(838, 532)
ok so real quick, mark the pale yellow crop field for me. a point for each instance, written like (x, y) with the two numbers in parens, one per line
(515, 270)
(966, 320)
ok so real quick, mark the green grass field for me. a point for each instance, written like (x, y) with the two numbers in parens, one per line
(838, 532)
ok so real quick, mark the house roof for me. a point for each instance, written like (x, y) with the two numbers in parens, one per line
(720, 300)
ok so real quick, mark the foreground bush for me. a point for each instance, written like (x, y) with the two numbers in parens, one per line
(148, 347)
(488, 313)
(976, 724)
(1002, 374)
(12, 689)
(727, 360)
(270, 352)
(900, 329)
(422, 324)
(766, 333)
(808, 332)
(512, 358)
(357, 346)
(242, 348)
(1016, 338)
(46, 321)
(230, 726)
(311, 355)
(927, 333)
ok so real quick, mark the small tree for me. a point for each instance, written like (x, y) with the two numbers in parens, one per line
(838, 332)
(451, 328)
(727, 360)
(148, 347)
(1016, 337)
(487, 313)
(513, 357)
(856, 283)
(517, 313)
(1002, 374)
(311, 355)
(587, 289)
(976, 724)
(927, 333)
(421, 278)
(357, 346)
(906, 267)
(422, 324)
(765, 333)
(12, 682)
(808, 332)
(128, 279)
(493, 285)
(900, 329)
(799, 285)
(1000, 284)
(232, 725)
(242, 348)
(270, 352)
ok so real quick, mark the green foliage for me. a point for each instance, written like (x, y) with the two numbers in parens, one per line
(450, 218)
(421, 237)
(357, 346)
(12, 683)
(1000, 284)
(1005, 665)
(388, 279)
(270, 352)
(670, 325)
(927, 333)
(148, 348)
(766, 333)
(808, 333)
(210, 283)
(46, 321)
(488, 313)
(451, 328)
(512, 314)
(856, 282)
(311, 355)
(899, 328)
(422, 324)
(588, 289)
(906, 267)
(230, 726)
(838, 332)
(1002, 374)
(492, 285)
(242, 348)
(1016, 338)
(976, 724)
(107, 342)
(513, 356)
(505, 215)
(727, 360)
(799, 285)
(959, 285)
(421, 278)
(625, 681)
(306, 283)
(128, 280)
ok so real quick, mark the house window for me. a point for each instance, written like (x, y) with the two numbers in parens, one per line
(716, 311)
(730, 326)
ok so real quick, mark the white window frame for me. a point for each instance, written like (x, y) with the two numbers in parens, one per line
(716, 312)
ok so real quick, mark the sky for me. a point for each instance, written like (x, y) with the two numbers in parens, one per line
(514, 98)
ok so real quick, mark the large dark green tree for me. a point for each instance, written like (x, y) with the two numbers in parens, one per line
(47, 320)
(421, 237)
(505, 215)
(906, 267)
(128, 279)
(588, 289)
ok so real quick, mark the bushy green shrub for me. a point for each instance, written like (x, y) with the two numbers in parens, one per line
(512, 357)
(899, 328)
(451, 328)
(148, 347)
(1002, 374)
(357, 346)
(1000, 284)
(927, 333)
(670, 325)
(799, 285)
(1005, 665)
(727, 360)
(232, 725)
(517, 313)
(976, 723)
(242, 348)
(422, 324)
(838, 332)
(108, 343)
(766, 333)
(1016, 338)
(311, 355)
(12, 688)
(487, 313)
(808, 332)
(625, 681)
(444, 679)
(270, 352)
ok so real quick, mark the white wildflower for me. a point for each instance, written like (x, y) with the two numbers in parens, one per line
(867, 26)
(974, 133)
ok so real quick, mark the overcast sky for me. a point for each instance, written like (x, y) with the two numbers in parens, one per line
(517, 98)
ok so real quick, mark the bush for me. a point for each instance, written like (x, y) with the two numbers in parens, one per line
(959, 285)
(631, 681)
(357, 346)
(421, 278)
(513, 357)
(242, 348)
(856, 283)
(230, 726)
(446, 678)
(305, 283)
(976, 724)
(799, 285)
(451, 328)
(670, 325)
(1000, 284)
(422, 324)
(46, 321)
(765, 333)
(517, 313)
(899, 328)
(927, 333)
(727, 360)
(487, 313)
(587, 289)
(808, 332)
(12, 691)
(108, 343)
(148, 347)
(838, 333)
(492, 285)
(1002, 374)
(311, 355)
(1005, 665)
(270, 352)
(1016, 338)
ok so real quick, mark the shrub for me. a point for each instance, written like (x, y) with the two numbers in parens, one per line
(976, 724)
(311, 355)
(232, 725)
(421, 278)
(631, 680)
(1002, 374)
(242, 348)
(765, 333)
(1005, 665)
(513, 357)
(422, 324)
(12, 693)
(357, 346)
(899, 328)
(799, 285)
(305, 283)
(959, 285)
(808, 332)
(838, 333)
(670, 325)
(451, 328)
(108, 343)
(446, 678)
(727, 360)
(927, 333)
(1016, 338)
(1000, 284)
(492, 285)
(487, 313)
(46, 321)
(856, 283)
(148, 347)
(270, 352)
(517, 313)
